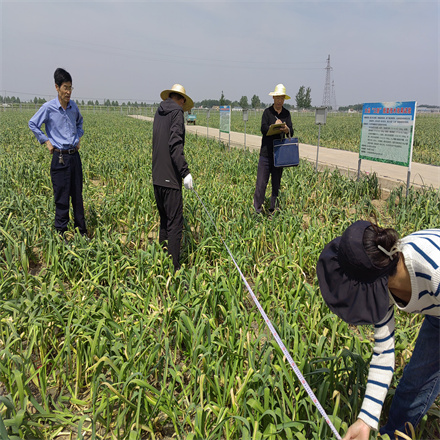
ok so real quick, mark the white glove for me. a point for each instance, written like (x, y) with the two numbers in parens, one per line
(188, 182)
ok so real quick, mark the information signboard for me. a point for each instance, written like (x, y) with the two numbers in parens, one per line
(388, 132)
(225, 118)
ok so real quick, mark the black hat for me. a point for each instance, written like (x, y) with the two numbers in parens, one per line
(352, 286)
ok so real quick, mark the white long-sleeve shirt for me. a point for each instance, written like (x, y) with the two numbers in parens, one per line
(421, 251)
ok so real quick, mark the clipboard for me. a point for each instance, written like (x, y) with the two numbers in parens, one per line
(275, 129)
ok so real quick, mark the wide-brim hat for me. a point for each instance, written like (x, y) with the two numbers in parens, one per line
(178, 88)
(352, 286)
(280, 90)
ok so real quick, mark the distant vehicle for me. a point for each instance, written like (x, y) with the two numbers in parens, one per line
(191, 118)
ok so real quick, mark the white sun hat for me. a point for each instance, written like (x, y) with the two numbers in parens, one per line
(280, 90)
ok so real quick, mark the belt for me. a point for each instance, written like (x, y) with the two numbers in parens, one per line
(67, 151)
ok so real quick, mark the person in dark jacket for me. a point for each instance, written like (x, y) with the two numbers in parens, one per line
(170, 166)
(275, 114)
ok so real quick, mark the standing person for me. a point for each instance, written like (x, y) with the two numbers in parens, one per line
(64, 129)
(364, 275)
(170, 166)
(275, 114)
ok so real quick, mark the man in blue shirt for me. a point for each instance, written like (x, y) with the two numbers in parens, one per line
(64, 129)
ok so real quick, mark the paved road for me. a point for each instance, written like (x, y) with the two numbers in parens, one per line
(389, 175)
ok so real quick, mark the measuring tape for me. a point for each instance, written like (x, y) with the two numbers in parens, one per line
(274, 332)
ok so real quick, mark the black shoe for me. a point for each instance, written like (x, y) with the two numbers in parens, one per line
(61, 234)
(272, 211)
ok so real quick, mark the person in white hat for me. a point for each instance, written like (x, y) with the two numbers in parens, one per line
(275, 114)
(170, 166)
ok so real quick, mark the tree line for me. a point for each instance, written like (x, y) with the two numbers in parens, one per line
(106, 103)
(303, 101)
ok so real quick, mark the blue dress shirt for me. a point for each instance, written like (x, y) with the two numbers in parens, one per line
(64, 128)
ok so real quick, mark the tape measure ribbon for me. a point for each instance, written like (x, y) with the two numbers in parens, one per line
(275, 333)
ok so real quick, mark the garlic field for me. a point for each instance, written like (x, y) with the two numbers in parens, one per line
(341, 131)
(100, 339)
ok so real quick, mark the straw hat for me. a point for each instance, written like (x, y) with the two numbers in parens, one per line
(352, 286)
(177, 88)
(280, 90)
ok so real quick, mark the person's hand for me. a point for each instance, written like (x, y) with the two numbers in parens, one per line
(188, 182)
(49, 146)
(285, 129)
(78, 147)
(358, 431)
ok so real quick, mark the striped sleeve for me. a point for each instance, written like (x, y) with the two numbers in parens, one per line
(381, 371)
(422, 257)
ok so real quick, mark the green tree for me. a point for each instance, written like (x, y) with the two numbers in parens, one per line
(303, 98)
(208, 103)
(255, 102)
(243, 103)
(222, 99)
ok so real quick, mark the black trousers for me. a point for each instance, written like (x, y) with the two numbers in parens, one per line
(266, 169)
(170, 205)
(67, 183)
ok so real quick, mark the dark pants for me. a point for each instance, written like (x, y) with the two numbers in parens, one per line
(170, 205)
(266, 169)
(420, 384)
(67, 182)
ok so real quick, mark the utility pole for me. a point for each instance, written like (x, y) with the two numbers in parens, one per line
(334, 105)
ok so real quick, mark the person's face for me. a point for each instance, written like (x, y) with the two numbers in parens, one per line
(64, 92)
(278, 101)
(181, 102)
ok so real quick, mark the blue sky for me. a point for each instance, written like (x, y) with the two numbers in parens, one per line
(131, 50)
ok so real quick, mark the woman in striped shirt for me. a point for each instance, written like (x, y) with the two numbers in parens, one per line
(366, 274)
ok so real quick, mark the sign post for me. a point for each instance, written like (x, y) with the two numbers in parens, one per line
(225, 122)
(245, 118)
(320, 119)
(388, 133)
(207, 125)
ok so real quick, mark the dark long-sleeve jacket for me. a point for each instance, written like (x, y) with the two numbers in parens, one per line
(269, 117)
(169, 163)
